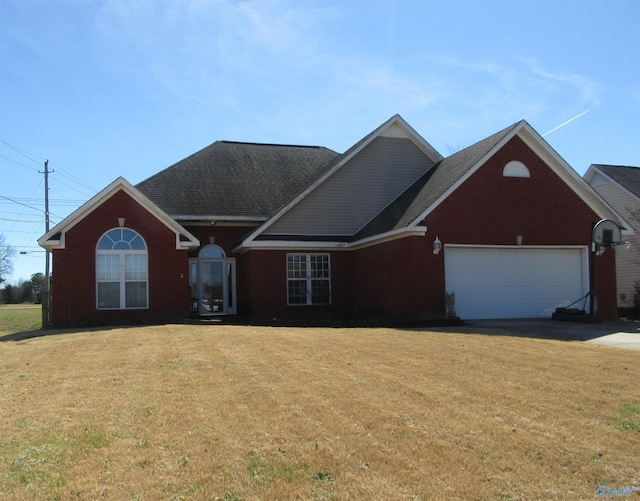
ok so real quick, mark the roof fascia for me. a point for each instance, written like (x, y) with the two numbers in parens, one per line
(232, 219)
(593, 169)
(358, 244)
(466, 175)
(388, 236)
(347, 156)
(84, 210)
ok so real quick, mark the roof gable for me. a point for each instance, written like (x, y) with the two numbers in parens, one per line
(625, 177)
(456, 169)
(359, 185)
(55, 238)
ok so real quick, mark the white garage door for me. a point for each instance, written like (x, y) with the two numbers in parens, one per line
(522, 282)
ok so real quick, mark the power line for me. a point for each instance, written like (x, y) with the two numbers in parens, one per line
(24, 153)
(28, 206)
(52, 201)
(19, 203)
(64, 172)
(13, 212)
(17, 231)
(74, 178)
(71, 187)
(20, 220)
(18, 163)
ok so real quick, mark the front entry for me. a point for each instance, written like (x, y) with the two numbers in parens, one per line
(212, 279)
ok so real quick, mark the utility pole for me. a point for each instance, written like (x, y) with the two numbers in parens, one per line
(46, 299)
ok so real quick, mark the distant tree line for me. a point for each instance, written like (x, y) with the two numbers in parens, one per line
(29, 291)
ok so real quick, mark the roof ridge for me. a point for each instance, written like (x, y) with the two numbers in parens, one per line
(251, 143)
(487, 140)
(617, 166)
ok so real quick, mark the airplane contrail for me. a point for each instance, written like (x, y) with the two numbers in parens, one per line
(565, 123)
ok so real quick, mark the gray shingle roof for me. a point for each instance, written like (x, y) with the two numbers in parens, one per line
(626, 176)
(246, 180)
(256, 180)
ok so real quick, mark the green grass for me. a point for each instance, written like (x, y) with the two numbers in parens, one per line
(630, 416)
(19, 319)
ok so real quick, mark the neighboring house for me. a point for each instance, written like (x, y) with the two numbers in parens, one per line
(620, 187)
(382, 231)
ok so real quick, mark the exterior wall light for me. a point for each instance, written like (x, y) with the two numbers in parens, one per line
(437, 245)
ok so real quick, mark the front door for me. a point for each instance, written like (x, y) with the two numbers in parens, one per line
(212, 282)
(211, 287)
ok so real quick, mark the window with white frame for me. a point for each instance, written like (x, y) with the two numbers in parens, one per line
(308, 279)
(121, 271)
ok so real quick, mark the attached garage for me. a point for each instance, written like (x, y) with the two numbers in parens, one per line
(515, 282)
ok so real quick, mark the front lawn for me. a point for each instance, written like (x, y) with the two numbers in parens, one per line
(20, 318)
(248, 413)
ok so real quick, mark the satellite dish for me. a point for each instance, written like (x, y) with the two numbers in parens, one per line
(606, 233)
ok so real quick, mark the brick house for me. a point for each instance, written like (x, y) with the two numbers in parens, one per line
(381, 231)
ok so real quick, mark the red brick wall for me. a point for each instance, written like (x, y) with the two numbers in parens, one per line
(73, 271)
(265, 287)
(491, 209)
(398, 278)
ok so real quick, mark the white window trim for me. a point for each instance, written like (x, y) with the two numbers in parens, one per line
(309, 279)
(121, 253)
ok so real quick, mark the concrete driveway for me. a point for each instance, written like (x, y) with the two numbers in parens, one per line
(618, 333)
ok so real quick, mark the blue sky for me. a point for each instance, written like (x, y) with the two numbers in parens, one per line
(109, 88)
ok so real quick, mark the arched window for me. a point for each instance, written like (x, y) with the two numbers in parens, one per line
(515, 169)
(121, 271)
(211, 252)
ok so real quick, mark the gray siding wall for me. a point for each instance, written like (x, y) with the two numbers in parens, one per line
(627, 260)
(357, 192)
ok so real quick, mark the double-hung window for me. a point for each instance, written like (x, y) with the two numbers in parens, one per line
(121, 271)
(308, 279)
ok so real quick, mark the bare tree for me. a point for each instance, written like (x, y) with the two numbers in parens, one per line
(6, 259)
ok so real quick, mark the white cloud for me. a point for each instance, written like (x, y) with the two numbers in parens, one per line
(588, 89)
(276, 65)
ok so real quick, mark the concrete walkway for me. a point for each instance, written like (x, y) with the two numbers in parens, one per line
(617, 333)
